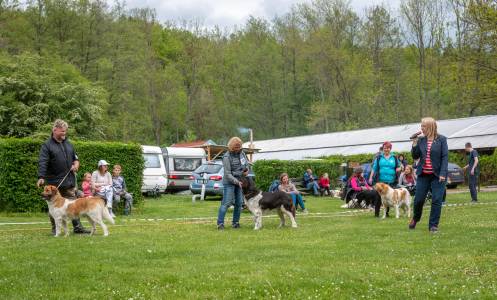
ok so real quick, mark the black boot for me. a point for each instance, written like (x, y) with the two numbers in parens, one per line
(78, 227)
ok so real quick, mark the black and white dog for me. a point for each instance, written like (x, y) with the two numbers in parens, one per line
(258, 201)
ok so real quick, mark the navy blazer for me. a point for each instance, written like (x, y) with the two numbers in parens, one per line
(439, 155)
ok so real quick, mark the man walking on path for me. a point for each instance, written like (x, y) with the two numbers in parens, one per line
(474, 171)
(56, 166)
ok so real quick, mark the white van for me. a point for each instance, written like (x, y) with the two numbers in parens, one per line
(180, 164)
(154, 174)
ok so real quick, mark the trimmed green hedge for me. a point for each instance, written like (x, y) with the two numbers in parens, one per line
(268, 170)
(19, 170)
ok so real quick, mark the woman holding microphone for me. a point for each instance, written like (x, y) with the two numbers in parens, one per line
(432, 150)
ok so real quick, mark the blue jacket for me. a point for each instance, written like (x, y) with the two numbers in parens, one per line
(439, 155)
(308, 178)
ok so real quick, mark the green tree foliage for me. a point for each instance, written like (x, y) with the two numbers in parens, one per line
(36, 90)
(120, 74)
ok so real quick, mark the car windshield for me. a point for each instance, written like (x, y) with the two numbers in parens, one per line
(208, 168)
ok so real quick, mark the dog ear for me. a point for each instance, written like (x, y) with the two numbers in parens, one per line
(53, 189)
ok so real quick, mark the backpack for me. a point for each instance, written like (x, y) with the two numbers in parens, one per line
(274, 186)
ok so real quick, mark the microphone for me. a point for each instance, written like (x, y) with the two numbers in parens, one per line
(414, 136)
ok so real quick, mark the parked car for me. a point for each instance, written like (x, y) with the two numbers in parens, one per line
(455, 175)
(180, 164)
(154, 174)
(213, 172)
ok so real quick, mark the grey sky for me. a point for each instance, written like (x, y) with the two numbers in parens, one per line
(227, 13)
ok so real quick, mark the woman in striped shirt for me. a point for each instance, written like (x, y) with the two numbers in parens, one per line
(432, 150)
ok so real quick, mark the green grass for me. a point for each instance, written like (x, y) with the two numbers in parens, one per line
(333, 254)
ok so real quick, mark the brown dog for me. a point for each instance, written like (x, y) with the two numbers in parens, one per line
(394, 198)
(62, 209)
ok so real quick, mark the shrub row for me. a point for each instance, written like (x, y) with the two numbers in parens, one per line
(19, 170)
(268, 170)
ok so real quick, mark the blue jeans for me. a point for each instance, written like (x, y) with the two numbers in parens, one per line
(423, 185)
(298, 198)
(314, 186)
(232, 195)
(473, 183)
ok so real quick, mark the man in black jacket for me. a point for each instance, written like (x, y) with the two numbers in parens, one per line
(56, 166)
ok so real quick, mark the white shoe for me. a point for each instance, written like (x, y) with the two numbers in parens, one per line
(305, 211)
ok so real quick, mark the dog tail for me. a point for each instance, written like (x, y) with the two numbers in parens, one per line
(106, 215)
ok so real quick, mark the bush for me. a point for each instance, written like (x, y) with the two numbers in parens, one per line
(268, 170)
(19, 165)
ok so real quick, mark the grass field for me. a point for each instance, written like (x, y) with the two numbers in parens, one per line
(172, 250)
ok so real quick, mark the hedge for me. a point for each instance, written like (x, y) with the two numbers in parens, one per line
(268, 170)
(19, 169)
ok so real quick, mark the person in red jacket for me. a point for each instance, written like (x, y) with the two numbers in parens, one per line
(324, 184)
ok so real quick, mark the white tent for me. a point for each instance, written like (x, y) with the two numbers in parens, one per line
(480, 131)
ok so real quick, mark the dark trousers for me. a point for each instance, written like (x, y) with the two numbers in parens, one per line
(322, 190)
(423, 186)
(473, 183)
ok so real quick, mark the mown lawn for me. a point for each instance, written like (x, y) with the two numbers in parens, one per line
(161, 252)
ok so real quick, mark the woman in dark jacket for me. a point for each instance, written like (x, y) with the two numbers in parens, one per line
(433, 152)
(235, 165)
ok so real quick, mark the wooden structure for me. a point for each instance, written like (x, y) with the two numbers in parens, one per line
(213, 150)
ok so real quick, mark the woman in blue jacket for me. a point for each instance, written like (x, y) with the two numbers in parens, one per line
(432, 150)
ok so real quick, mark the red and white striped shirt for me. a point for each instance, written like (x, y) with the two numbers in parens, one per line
(428, 168)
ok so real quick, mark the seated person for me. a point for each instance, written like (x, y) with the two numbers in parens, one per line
(289, 188)
(360, 194)
(86, 185)
(310, 182)
(324, 185)
(407, 179)
(102, 184)
(119, 186)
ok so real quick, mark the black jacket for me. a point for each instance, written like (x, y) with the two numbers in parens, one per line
(439, 155)
(55, 161)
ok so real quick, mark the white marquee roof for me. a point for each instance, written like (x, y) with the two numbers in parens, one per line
(480, 131)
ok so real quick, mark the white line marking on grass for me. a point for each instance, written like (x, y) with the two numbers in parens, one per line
(202, 220)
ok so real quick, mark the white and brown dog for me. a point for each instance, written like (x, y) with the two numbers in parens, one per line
(62, 209)
(394, 198)
(258, 202)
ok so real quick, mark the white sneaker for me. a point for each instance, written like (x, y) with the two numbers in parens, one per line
(305, 211)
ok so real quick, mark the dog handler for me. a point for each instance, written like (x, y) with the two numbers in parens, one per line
(56, 166)
(433, 152)
(235, 165)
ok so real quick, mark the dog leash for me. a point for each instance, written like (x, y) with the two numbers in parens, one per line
(63, 179)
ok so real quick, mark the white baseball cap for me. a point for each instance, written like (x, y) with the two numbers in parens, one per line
(102, 163)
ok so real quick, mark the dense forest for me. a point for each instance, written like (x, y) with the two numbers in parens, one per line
(119, 74)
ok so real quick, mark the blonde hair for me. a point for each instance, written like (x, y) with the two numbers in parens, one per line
(409, 167)
(86, 174)
(59, 123)
(234, 141)
(431, 127)
(325, 175)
